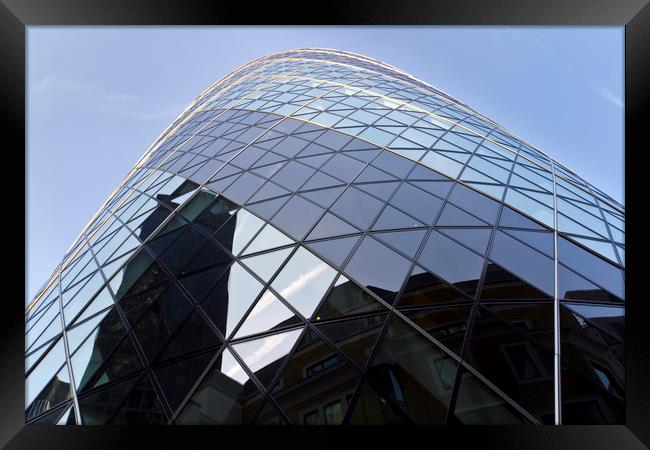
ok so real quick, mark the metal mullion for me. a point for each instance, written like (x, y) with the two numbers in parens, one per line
(557, 363)
(68, 362)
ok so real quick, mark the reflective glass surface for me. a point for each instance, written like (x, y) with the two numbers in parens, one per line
(322, 239)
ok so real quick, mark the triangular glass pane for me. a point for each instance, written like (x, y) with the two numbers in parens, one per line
(354, 337)
(346, 298)
(321, 180)
(141, 407)
(270, 237)
(268, 314)
(572, 286)
(97, 408)
(372, 408)
(102, 300)
(371, 174)
(226, 396)
(605, 249)
(303, 281)
(523, 261)
(405, 241)
(231, 297)
(67, 418)
(315, 370)
(269, 190)
(246, 225)
(489, 189)
(122, 362)
(55, 392)
(414, 372)
(264, 356)
(194, 335)
(500, 284)
(608, 318)
(80, 332)
(177, 379)
(423, 173)
(475, 238)
(478, 405)
(199, 284)
(539, 240)
(265, 265)
(268, 208)
(164, 317)
(439, 188)
(447, 324)
(381, 190)
(330, 226)
(269, 169)
(455, 217)
(314, 161)
(423, 288)
(335, 250)
(324, 197)
(391, 218)
(521, 355)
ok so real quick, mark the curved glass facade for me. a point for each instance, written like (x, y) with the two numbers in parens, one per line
(321, 238)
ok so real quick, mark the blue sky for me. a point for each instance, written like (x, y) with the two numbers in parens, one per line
(99, 96)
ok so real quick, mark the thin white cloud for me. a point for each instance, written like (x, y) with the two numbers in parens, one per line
(610, 96)
(550, 53)
(120, 104)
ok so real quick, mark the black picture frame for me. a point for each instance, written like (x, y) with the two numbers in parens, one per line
(634, 15)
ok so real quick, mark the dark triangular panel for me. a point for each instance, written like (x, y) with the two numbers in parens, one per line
(405, 241)
(335, 250)
(346, 298)
(330, 226)
(423, 288)
(414, 372)
(499, 284)
(475, 238)
(176, 379)
(391, 218)
(141, 407)
(446, 324)
(372, 408)
(314, 370)
(452, 216)
(355, 337)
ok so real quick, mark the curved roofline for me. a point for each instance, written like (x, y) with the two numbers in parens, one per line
(408, 75)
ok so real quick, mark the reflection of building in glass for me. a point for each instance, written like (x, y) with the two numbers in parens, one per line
(323, 239)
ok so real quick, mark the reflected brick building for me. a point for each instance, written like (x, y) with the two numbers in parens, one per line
(321, 238)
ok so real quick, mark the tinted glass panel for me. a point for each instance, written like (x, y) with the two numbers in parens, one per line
(357, 207)
(378, 268)
(505, 348)
(452, 262)
(416, 202)
(523, 261)
(423, 288)
(593, 374)
(448, 325)
(303, 281)
(264, 356)
(354, 337)
(417, 375)
(225, 396)
(477, 404)
(297, 217)
(598, 270)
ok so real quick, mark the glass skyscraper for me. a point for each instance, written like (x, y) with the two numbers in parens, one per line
(321, 238)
